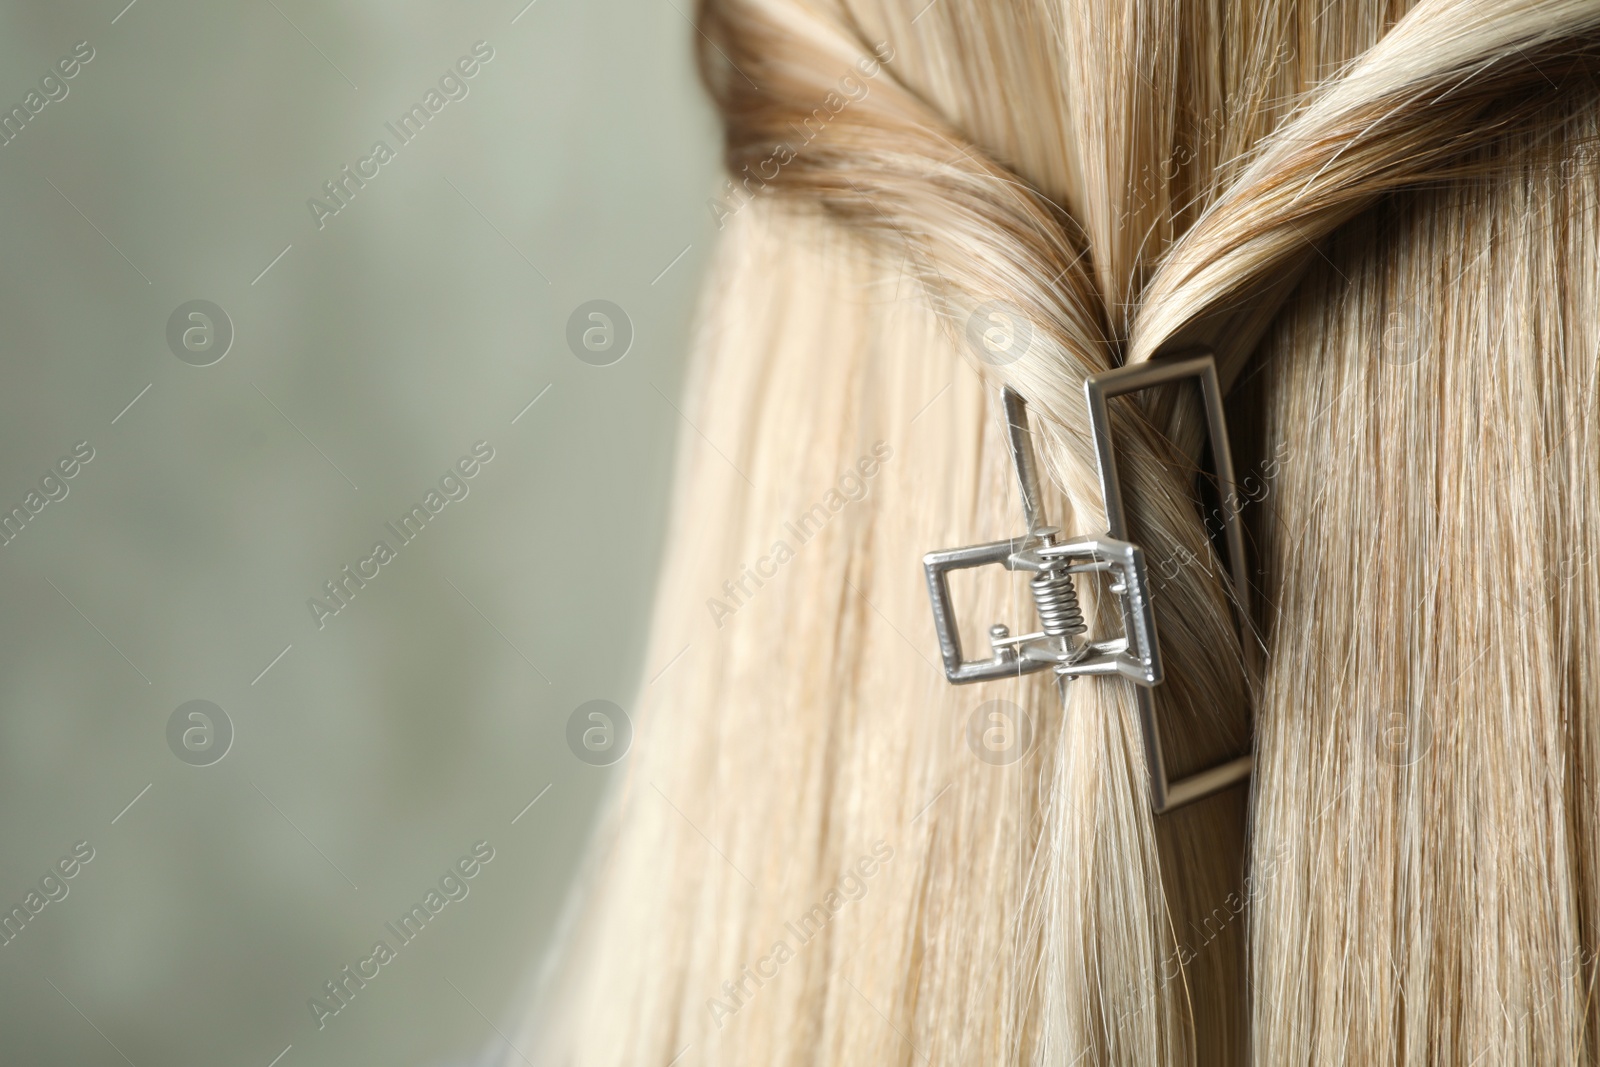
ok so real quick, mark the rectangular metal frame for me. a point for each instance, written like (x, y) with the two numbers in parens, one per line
(1166, 795)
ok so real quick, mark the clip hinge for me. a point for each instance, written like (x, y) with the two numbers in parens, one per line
(1060, 642)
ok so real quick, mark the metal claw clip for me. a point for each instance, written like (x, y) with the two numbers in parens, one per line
(1062, 641)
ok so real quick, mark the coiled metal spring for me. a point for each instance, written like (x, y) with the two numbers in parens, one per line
(1057, 600)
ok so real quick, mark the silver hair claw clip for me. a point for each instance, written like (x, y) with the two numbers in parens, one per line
(1061, 642)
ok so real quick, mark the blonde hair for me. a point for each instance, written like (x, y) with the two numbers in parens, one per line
(1382, 218)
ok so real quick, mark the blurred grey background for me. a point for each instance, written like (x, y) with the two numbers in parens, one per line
(370, 351)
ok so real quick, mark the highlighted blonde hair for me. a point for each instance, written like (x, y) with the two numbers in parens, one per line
(1383, 218)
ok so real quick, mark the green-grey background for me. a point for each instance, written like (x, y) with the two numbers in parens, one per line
(368, 359)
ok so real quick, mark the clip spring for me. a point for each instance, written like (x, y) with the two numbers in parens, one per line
(1061, 643)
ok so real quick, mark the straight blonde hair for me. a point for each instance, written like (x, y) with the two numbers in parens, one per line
(1382, 218)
